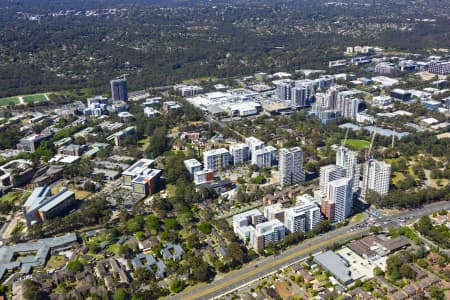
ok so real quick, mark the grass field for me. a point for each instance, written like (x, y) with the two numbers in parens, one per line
(9, 101)
(56, 261)
(14, 196)
(357, 218)
(398, 177)
(81, 94)
(34, 98)
(80, 195)
(360, 144)
(114, 248)
(144, 143)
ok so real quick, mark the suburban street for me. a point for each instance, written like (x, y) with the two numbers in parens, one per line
(264, 266)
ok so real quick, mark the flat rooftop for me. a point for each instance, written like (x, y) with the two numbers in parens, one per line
(139, 167)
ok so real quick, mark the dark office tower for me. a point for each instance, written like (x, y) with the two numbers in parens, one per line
(119, 89)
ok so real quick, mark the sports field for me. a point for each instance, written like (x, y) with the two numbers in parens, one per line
(34, 98)
(25, 99)
(360, 144)
(9, 101)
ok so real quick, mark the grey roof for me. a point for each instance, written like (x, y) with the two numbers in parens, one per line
(333, 264)
(41, 247)
(177, 252)
(57, 199)
(351, 126)
(40, 199)
(150, 261)
(386, 132)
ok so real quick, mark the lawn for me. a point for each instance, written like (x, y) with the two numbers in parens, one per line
(81, 94)
(14, 196)
(114, 248)
(56, 261)
(357, 218)
(9, 101)
(34, 98)
(360, 144)
(80, 195)
(10, 197)
(144, 143)
(398, 177)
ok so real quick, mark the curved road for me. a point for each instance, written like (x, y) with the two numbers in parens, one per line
(264, 266)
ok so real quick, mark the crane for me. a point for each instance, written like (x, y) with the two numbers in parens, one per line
(393, 139)
(371, 145)
(345, 138)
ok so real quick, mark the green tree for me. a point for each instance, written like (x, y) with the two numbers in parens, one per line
(32, 290)
(152, 223)
(234, 255)
(177, 286)
(75, 266)
(121, 294)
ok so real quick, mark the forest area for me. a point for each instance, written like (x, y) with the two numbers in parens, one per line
(63, 45)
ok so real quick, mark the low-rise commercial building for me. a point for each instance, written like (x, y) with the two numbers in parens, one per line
(41, 205)
(333, 264)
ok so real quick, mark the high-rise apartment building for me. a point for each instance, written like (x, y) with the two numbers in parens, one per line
(376, 177)
(254, 144)
(119, 89)
(216, 159)
(330, 173)
(302, 217)
(284, 89)
(333, 98)
(291, 166)
(337, 206)
(349, 161)
(300, 96)
(264, 158)
(265, 233)
(239, 153)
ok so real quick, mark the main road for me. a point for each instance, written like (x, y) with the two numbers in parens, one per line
(264, 266)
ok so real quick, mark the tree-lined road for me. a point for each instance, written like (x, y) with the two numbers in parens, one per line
(264, 266)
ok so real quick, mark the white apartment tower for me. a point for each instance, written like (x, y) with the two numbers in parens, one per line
(376, 177)
(284, 89)
(266, 233)
(330, 173)
(239, 153)
(264, 158)
(302, 218)
(254, 144)
(291, 166)
(300, 96)
(216, 159)
(339, 202)
(349, 161)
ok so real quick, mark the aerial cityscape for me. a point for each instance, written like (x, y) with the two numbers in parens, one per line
(215, 149)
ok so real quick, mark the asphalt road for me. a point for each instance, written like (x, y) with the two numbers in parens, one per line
(264, 266)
